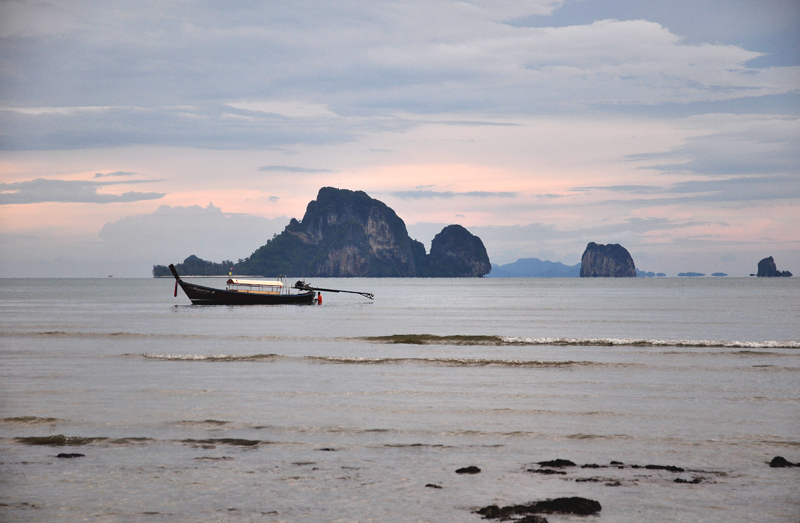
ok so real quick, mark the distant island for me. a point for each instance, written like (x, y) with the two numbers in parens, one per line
(649, 274)
(347, 233)
(767, 269)
(690, 274)
(607, 261)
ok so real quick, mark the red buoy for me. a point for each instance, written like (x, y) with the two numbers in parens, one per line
(319, 298)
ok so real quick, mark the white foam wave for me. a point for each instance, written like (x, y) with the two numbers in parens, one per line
(637, 342)
(210, 357)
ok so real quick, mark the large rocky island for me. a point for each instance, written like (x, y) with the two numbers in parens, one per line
(768, 269)
(607, 261)
(346, 233)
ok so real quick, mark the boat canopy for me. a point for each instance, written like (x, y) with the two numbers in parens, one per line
(255, 283)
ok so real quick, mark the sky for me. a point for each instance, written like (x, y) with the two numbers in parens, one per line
(135, 133)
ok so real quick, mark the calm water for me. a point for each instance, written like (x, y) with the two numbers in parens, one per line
(315, 414)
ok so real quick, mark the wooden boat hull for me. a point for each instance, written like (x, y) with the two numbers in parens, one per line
(201, 295)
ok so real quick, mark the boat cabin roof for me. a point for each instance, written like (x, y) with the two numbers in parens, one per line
(257, 283)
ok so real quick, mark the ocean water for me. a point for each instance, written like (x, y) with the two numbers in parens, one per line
(362, 411)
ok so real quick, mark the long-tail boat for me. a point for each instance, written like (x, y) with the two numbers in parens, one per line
(252, 292)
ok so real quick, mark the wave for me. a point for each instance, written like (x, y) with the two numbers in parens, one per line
(340, 360)
(59, 440)
(31, 420)
(213, 442)
(212, 357)
(203, 423)
(598, 436)
(431, 339)
(453, 362)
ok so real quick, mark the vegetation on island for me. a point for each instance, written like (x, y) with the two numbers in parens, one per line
(196, 267)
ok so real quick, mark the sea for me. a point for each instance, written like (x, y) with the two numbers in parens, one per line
(669, 396)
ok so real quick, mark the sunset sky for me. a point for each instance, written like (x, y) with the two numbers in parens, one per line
(135, 133)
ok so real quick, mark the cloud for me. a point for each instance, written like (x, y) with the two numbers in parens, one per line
(501, 9)
(293, 169)
(129, 247)
(728, 144)
(421, 194)
(235, 77)
(633, 189)
(744, 188)
(79, 191)
(770, 26)
(289, 109)
(173, 233)
(211, 126)
(116, 173)
(734, 189)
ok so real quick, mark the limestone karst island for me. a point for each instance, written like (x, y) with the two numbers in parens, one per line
(347, 234)
(607, 261)
(768, 269)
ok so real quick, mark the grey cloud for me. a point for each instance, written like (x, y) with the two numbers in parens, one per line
(170, 234)
(474, 123)
(769, 26)
(367, 62)
(749, 145)
(634, 189)
(736, 189)
(74, 191)
(417, 195)
(293, 169)
(538, 231)
(173, 233)
(745, 188)
(114, 174)
(211, 126)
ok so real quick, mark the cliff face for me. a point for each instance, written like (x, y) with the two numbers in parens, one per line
(768, 269)
(607, 261)
(346, 233)
(357, 236)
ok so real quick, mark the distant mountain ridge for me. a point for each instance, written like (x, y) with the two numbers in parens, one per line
(534, 268)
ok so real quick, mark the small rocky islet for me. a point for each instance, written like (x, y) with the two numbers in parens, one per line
(768, 269)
